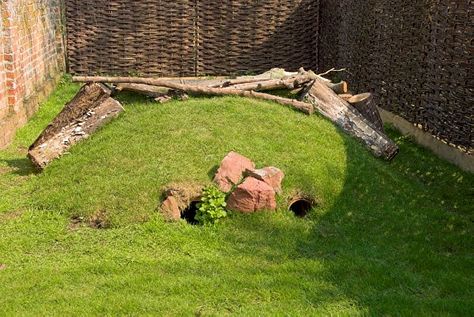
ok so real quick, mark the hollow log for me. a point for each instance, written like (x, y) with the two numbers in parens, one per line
(350, 120)
(89, 110)
(365, 104)
(202, 90)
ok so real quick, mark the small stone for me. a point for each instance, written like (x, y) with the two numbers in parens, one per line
(2, 267)
(271, 175)
(163, 99)
(170, 209)
(251, 196)
(231, 170)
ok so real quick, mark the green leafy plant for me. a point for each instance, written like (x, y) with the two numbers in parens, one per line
(212, 206)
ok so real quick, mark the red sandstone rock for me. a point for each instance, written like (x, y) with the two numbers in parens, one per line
(231, 170)
(251, 196)
(271, 175)
(170, 209)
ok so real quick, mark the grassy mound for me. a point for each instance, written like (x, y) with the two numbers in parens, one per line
(386, 238)
(121, 170)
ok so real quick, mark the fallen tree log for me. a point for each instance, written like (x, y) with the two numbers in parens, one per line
(201, 90)
(253, 84)
(350, 120)
(269, 81)
(275, 78)
(90, 109)
(150, 91)
(364, 103)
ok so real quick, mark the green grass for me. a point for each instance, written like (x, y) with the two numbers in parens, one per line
(386, 238)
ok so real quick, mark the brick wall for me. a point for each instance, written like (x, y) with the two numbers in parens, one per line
(3, 78)
(31, 59)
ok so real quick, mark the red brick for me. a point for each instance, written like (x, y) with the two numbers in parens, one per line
(8, 57)
(11, 101)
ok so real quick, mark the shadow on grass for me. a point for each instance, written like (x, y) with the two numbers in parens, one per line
(212, 172)
(21, 166)
(385, 245)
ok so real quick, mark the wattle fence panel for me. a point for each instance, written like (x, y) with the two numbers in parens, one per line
(188, 38)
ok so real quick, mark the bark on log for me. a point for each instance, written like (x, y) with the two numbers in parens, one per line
(90, 109)
(150, 91)
(350, 120)
(202, 90)
(346, 97)
(365, 104)
(272, 84)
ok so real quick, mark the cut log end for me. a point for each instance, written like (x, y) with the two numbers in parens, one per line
(359, 98)
(364, 103)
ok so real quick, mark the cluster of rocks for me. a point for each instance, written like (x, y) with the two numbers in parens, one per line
(249, 189)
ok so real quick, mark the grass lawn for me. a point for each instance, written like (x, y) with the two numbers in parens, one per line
(386, 238)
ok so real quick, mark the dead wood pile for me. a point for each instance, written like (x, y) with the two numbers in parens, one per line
(93, 106)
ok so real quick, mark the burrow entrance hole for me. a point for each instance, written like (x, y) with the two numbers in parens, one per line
(189, 213)
(301, 207)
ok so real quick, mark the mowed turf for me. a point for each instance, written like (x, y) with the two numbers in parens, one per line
(386, 238)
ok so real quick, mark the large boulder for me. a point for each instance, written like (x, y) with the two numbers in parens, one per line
(251, 196)
(271, 175)
(231, 171)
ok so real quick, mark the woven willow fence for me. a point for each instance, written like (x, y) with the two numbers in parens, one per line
(190, 37)
(414, 55)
